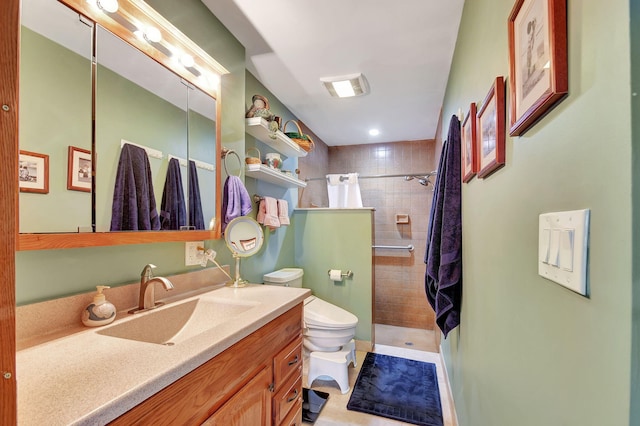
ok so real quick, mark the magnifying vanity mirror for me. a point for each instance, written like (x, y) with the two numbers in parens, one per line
(94, 79)
(244, 237)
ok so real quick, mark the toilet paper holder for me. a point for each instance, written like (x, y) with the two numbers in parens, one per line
(347, 274)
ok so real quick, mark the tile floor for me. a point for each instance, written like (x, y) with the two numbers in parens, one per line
(335, 411)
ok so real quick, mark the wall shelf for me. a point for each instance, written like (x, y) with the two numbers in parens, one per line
(267, 174)
(258, 127)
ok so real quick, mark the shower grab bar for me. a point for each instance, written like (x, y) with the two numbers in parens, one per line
(343, 178)
(410, 247)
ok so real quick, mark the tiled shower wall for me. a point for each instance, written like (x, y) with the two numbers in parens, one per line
(399, 275)
(315, 164)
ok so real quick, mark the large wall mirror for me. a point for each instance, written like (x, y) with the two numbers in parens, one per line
(81, 118)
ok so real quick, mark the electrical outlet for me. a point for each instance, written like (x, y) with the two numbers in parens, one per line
(193, 256)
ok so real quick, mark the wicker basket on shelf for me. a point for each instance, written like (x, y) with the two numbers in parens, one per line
(304, 141)
(249, 159)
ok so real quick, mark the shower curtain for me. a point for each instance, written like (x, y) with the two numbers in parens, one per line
(344, 191)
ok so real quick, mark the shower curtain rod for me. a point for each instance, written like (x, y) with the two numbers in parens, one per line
(425, 175)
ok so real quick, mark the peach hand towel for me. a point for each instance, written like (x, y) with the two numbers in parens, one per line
(283, 212)
(268, 213)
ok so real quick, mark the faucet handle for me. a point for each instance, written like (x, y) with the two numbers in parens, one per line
(146, 271)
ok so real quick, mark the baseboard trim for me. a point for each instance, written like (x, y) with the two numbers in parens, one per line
(452, 403)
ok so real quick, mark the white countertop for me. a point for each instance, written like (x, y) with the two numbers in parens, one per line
(89, 379)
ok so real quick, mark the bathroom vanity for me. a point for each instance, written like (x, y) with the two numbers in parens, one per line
(257, 379)
(244, 367)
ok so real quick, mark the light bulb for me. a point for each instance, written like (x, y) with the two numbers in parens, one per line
(187, 60)
(110, 6)
(152, 34)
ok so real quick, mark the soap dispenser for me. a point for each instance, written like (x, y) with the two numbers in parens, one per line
(100, 312)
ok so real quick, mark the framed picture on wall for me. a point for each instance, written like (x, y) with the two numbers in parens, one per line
(538, 78)
(490, 130)
(79, 169)
(33, 172)
(469, 147)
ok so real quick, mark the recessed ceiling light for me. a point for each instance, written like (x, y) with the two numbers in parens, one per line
(374, 132)
(346, 86)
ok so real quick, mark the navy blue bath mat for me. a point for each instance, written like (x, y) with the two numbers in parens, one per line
(399, 389)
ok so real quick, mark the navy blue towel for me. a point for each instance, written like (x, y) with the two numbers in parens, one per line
(173, 213)
(196, 218)
(443, 276)
(134, 205)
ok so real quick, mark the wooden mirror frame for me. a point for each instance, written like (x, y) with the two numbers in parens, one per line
(138, 11)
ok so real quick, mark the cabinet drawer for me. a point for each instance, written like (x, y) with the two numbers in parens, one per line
(286, 398)
(287, 361)
(295, 416)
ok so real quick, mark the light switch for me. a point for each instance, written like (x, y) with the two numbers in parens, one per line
(554, 247)
(566, 249)
(544, 246)
(563, 241)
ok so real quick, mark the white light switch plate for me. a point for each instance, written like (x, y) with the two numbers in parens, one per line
(193, 256)
(563, 241)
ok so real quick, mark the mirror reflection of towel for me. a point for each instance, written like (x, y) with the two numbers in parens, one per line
(134, 205)
(173, 214)
(196, 218)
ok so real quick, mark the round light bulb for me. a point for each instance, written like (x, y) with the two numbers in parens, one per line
(110, 6)
(187, 61)
(374, 132)
(152, 34)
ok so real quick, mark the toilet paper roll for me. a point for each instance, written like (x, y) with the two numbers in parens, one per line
(335, 274)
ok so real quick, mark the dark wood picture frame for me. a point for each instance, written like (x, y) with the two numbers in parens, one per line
(490, 130)
(469, 147)
(538, 71)
(33, 172)
(79, 169)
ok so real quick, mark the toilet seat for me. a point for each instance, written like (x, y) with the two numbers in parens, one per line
(324, 315)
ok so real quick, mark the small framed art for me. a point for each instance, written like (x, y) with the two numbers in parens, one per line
(33, 172)
(538, 77)
(79, 169)
(490, 129)
(469, 146)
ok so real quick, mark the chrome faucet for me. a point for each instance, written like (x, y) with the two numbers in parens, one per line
(147, 298)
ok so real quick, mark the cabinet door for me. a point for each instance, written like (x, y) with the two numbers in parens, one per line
(250, 406)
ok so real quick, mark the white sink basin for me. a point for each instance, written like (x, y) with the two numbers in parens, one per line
(175, 323)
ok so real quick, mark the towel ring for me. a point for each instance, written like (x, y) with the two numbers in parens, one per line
(225, 155)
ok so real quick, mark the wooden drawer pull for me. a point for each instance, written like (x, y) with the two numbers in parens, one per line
(295, 395)
(294, 361)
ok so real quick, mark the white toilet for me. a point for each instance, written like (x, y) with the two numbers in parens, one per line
(327, 327)
(328, 333)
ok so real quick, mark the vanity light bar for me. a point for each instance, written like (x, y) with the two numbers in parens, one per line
(160, 39)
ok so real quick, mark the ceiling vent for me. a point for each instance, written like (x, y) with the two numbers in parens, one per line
(346, 86)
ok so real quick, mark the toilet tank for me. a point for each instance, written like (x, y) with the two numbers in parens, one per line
(287, 277)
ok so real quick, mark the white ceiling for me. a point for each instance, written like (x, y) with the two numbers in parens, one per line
(403, 47)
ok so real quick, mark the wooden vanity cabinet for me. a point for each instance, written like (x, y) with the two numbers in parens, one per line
(287, 378)
(240, 386)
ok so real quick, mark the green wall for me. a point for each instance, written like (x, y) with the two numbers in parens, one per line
(528, 351)
(278, 248)
(55, 113)
(338, 239)
(48, 274)
(635, 128)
